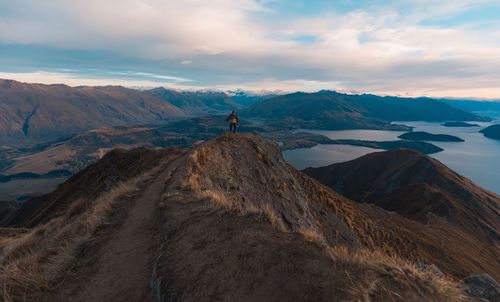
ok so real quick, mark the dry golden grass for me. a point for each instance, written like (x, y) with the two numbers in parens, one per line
(211, 187)
(443, 287)
(197, 159)
(31, 263)
(268, 211)
(313, 236)
(20, 282)
(5, 241)
(219, 200)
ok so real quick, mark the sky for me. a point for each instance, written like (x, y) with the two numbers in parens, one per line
(407, 47)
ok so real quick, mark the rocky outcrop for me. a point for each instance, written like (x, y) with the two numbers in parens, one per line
(482, 286)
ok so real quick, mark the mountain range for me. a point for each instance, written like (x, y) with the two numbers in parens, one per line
(332, 110)
(51, 131)
(488, 108)
(197, 103)
(33, 113)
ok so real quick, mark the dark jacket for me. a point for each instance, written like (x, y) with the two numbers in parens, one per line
(232, 117)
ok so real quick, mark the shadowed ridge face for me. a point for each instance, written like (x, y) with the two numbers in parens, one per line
(6, 208)
(420, 188)
(414, 185)
(115, 167)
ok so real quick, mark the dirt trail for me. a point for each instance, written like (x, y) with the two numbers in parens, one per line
(123, 265)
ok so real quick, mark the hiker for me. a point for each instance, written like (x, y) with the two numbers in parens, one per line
(233, 121)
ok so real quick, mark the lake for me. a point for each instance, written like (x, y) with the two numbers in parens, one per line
(478, 158)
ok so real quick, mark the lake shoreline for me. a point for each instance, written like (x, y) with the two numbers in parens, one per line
(475, 159)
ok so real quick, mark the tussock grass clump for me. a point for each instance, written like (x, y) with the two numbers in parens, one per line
(392, 274)
(219, 200)
(313, 236)
(268, 211)
(32, 263)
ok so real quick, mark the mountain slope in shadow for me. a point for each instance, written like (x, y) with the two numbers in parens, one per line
(417, 187)
(227, 220)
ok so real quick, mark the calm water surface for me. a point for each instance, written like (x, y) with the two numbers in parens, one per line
(478, 158)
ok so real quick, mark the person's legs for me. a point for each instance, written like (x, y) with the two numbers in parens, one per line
(232, 128)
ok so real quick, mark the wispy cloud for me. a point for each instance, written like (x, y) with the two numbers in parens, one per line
(400, 47)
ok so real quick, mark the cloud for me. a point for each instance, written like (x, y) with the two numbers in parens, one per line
(69, 77)
(377, 46)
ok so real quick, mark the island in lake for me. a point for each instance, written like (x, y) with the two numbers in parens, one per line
(459, 124)
(295, 140)
(425, 136)
(492, 131)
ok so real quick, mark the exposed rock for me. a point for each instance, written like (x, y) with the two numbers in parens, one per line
(482, 286)
(434, 269)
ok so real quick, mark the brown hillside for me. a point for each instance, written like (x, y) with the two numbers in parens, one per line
(30, 113)
(116, 167)
(228, 220)
(418, 187)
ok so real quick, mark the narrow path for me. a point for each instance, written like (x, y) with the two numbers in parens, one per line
(124, 262)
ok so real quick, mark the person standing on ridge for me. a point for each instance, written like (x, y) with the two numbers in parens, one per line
(233, 121)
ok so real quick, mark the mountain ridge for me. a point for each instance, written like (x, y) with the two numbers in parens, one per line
(334, 111)
(32, 113)
(417, 187)
(228, 209)
(197, 102)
